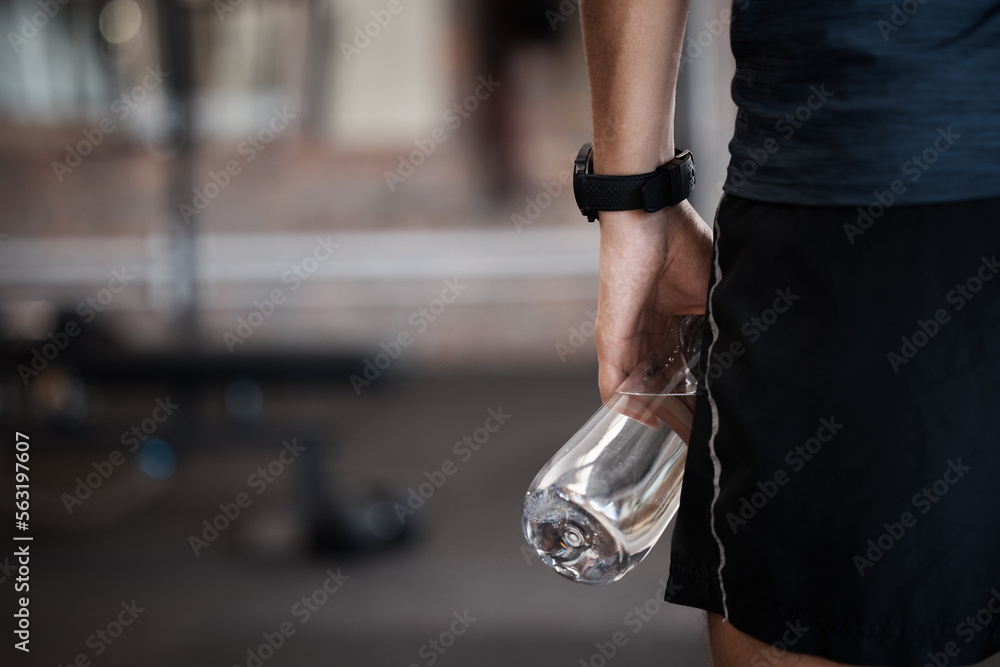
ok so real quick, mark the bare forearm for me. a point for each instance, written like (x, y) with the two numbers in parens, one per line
(633, 50)
(653, 265)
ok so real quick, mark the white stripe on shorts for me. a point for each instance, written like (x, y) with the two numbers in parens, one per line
(716, 464)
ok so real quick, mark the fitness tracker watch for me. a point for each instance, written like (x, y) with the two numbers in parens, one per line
(668, 185)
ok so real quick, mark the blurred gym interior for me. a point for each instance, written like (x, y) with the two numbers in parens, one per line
(266, 269)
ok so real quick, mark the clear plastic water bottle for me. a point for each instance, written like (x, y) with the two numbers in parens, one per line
(601, 503)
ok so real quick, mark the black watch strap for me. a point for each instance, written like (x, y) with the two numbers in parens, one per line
(668, 185)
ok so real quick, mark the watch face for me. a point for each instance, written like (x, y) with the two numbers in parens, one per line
(581, 166)
(578, 193)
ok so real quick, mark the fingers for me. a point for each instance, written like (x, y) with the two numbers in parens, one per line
(621, 298)
(652, 266)
(641, 409)
(615, 349)
(655, 410)
(615, 335)
(609, 378)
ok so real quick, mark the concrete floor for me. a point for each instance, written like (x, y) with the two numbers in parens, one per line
(467, 558)
(466, 561)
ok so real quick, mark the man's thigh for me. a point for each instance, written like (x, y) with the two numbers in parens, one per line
(732, 648)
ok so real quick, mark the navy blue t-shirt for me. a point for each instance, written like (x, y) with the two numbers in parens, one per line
(851, 101)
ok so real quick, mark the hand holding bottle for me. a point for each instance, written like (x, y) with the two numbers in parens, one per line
(598, 506)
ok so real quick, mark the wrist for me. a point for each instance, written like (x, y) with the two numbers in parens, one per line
(617, 159)
(633, 229)
(623, 222)
(669, 184)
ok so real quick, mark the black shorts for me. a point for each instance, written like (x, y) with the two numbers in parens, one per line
(841, 495)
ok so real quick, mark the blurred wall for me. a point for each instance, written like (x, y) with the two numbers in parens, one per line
(429, 144)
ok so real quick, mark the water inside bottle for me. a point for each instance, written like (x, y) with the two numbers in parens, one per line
(608, 494)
